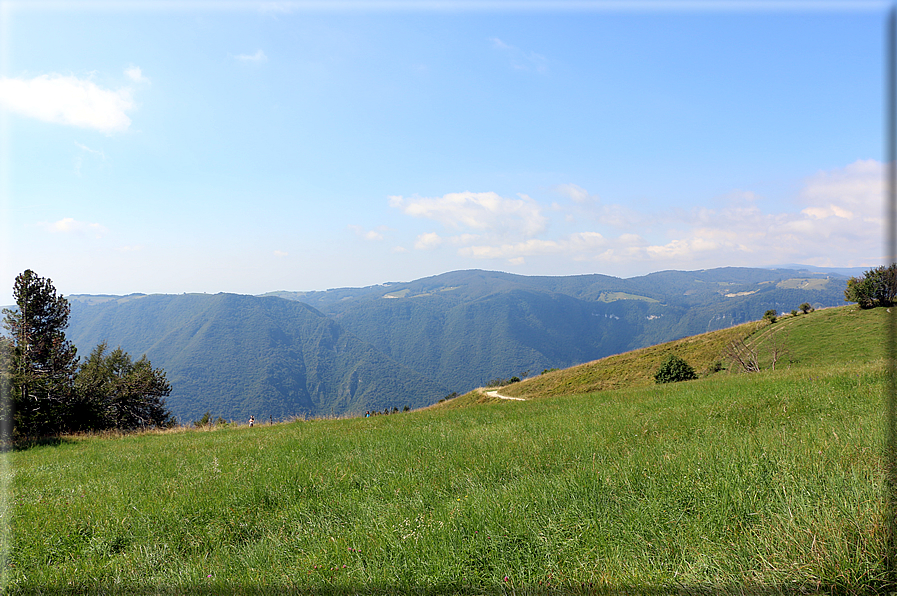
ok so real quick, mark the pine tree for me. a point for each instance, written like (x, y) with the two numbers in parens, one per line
(42, 362)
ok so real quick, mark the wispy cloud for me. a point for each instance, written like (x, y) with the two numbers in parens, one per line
(85, 150)
(135, 74)
(68, 100)
(374, 235)
(69, 225)
(280, 253)
(478, 211)
(521, 59)
(428, 241)
(258, 57)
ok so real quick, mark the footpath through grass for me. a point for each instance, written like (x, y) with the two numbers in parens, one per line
(766, 482)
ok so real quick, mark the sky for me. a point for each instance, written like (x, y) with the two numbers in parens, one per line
(249, 147)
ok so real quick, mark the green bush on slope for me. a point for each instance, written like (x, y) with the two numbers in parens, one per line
(673, 370)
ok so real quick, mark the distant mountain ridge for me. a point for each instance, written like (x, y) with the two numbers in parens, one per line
(348, 350)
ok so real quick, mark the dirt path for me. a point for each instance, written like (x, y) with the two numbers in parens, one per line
(496, 394)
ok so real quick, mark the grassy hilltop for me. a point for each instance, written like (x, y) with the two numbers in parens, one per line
(769, 481)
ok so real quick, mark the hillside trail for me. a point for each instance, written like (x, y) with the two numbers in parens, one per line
(496, 394)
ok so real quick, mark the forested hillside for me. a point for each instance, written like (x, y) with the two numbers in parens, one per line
(238, 355)
(350, 350)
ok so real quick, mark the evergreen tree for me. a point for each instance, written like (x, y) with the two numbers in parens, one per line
(41, 361)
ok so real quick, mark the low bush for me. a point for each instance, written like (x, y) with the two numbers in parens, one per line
(674, 369)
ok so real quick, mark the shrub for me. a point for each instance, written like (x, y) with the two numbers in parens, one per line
(673, 370)
(770, 316)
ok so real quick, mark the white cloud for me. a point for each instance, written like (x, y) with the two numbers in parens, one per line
(69, 225)
(484, 211)
(428, 241)
(135, 74)
(856, 191)
(280, 253)
(68, 100)
(520, 59)
(258, 57)
(573, 244)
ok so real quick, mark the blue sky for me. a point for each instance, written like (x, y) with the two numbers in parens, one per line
(250, 147)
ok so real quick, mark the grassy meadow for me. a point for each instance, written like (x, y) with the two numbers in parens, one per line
(767, 482)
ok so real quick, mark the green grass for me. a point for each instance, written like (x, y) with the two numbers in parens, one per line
(704, 352)
(769, 482)
(830, 336)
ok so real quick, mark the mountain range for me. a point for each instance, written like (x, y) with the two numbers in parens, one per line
(345, 351)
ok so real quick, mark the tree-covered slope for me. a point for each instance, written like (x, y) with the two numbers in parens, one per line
(239, 355)
(466, 344)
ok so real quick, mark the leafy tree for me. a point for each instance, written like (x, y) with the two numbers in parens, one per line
(877, 287)
(674, 369)
(806, 308)
(122, 394)
(42, 362)
(770, 315)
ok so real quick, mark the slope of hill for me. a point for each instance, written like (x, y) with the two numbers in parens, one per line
(239, 355)
(845, 335)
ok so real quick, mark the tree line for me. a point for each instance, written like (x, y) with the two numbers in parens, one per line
(50, 391)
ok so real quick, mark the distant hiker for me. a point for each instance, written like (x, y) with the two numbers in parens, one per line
(367, 414)
(251, 421)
